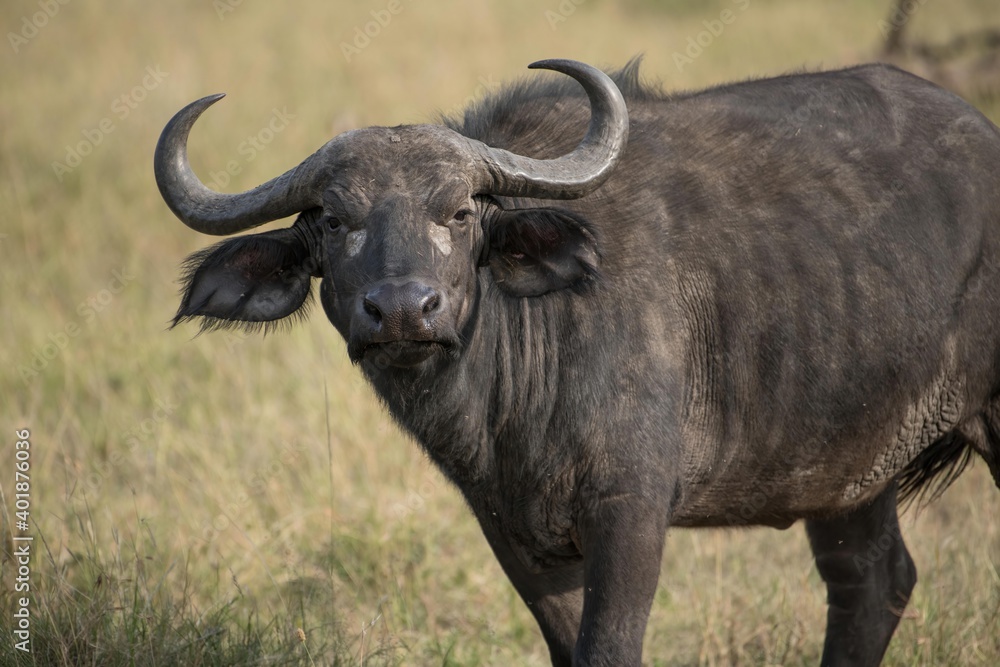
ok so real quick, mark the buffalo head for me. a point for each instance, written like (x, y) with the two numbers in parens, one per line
(397, 222)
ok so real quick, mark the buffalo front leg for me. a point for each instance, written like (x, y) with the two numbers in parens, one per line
(556, 604)
(868, 575)
(554, 597)
(622, 547)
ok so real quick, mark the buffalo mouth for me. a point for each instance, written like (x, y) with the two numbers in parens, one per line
(402, 353)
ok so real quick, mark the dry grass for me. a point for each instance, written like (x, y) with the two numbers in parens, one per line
(201, 501)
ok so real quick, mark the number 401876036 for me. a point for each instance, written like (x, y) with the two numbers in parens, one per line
(22, 480)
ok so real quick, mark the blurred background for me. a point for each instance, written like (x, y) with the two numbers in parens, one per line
(231, 500)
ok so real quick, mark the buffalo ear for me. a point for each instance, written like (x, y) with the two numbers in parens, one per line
(247, 282)
(534, 251)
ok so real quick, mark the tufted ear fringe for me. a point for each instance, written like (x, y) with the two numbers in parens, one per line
(260, 282)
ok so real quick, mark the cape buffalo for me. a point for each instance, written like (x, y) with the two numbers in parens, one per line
(762, 302)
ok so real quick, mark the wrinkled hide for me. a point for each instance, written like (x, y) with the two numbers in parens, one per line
(782, 303)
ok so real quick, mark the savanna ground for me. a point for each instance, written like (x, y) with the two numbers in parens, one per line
(221, 500)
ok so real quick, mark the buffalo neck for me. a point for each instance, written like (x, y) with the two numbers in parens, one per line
(499, 392)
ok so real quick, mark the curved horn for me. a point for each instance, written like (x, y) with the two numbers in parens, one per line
(581, 171)
(212, 212)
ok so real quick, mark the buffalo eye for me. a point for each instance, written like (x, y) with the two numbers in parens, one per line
(332, 223)
(462, 215)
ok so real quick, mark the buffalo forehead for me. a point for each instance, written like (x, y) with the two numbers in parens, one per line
(413, 158)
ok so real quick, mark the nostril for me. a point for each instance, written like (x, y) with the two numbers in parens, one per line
(373, 311)
(430, 303)
(392, 310)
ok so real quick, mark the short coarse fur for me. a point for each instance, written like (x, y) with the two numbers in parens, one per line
(497, 117)
(500, 116)
(501, 113)
(796, 318)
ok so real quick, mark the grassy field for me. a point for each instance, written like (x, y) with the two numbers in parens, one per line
(223, 500)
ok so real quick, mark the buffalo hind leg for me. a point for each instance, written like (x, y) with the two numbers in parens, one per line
(868, 575)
